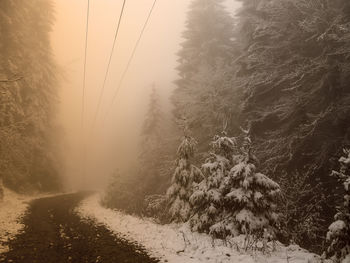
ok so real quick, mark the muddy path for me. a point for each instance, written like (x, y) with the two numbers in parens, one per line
(53, 233)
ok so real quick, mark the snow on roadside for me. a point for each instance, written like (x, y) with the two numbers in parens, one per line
(12, 208)
(176, 243)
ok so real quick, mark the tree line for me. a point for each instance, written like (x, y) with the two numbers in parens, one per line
(28, 97)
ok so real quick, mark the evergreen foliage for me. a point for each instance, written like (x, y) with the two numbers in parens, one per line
(233, 198)
(153, 150)
(250, 196)
(339, 231)
(28, 88)
(204, 88)
(294, 70)
(208, 199)
(186, 175)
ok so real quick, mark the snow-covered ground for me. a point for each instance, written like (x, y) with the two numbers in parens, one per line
(176, 243)
(12, 208)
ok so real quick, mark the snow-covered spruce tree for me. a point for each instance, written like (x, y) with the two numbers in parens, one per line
(207, 199)
(250, 197)
(186, 175)
(339, 231)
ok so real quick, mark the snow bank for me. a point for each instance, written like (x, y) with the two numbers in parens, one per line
(12, 208)
(176, 243)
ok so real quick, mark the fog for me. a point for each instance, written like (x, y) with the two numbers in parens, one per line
(114, 140)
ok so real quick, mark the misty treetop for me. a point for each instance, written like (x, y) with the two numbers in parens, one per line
(204, 68)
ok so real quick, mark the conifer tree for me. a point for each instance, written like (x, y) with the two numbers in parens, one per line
(185, 177)
(339, 231)
(28, 102)
(207, 199)
(152, 142)
(250, 196)
(205, 84)
(152, 130)
(294, 69)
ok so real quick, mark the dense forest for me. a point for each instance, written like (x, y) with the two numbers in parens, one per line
(28, 98)
(262, 105)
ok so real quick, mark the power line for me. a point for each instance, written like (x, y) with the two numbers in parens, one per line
(85, 58)
(108, 66)
(132, 56)
(84, 89)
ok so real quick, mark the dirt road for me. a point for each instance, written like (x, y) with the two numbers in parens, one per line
(53, 233)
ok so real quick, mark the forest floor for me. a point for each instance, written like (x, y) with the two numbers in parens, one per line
(53, 233)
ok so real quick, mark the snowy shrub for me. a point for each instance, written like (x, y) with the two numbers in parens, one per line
(186, 175)
(207, 198)
(156, 207)
(339, 231)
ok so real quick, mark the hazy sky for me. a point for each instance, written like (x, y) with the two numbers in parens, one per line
(155, 62)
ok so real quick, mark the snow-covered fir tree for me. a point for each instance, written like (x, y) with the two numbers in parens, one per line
(207, 199)
(250, 197)
(339, 231)
(186, 175)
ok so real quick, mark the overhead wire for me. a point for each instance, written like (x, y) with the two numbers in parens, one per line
(131, 57)
(84, 91)
(108, 66)
(85, 59)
